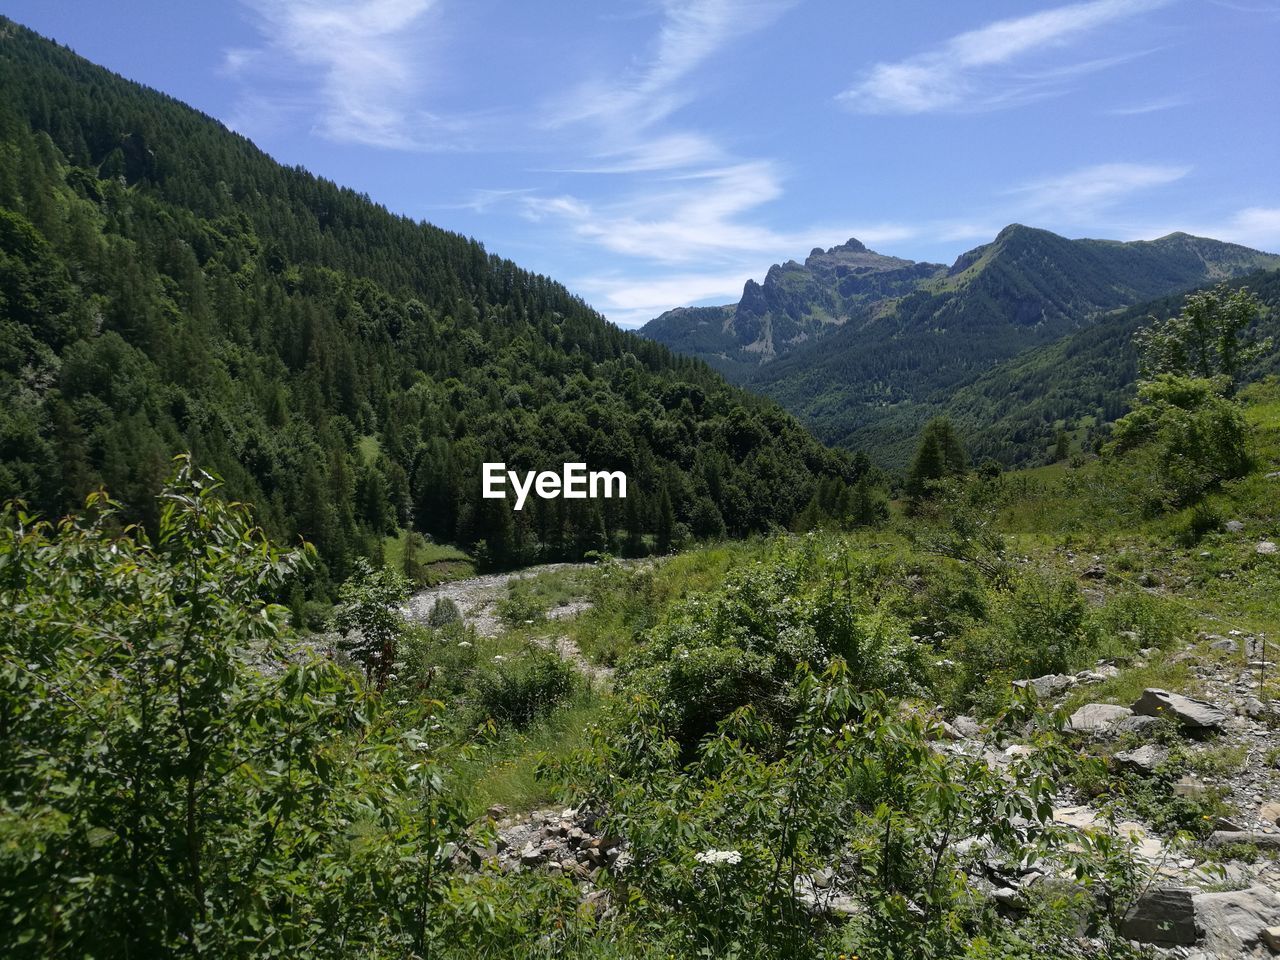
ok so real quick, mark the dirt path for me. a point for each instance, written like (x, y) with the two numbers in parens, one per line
(477, 599)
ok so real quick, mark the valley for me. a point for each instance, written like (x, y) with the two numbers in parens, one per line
(364, 593)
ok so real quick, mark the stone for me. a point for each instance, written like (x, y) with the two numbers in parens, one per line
(1223, 643)
(968, 727)
(1097, 717)
(1164, 916)
(1270, 812)
(1232, 923)
(496, 812)
(1253, 838)
(1266, 548)
(1135, 725)
(1188, 786)
(1050, 685)
(1191, 714)
(1271, 937)
(1144, 759)
(1233, 526)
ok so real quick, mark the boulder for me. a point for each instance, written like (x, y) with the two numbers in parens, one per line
(968, 727)
(1144, 759)
(1193, 715)
(1266, 547)
(1271, 937)
(1270, 812)
(1233, 922)
(1163, 916)
(1189, 786)
(1097, 717)
(1233, 526)
(1253, 838)
(1050, 685)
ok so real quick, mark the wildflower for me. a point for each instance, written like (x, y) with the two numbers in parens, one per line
(718, 856)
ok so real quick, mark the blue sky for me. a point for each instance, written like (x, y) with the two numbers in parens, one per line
(652, 154)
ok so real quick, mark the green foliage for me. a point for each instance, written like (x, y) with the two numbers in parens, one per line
(443, 613)
(743, 643)
(368, 617)
(1207, 340)
(172, 782)
(1194, 436)
(166, 287)
(517, 689)
(724, 842)
(940, 456)
(1039, 626)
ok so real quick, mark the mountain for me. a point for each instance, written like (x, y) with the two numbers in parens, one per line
(1015, 411)
(796, 304)
(166, 286)
(845, 338)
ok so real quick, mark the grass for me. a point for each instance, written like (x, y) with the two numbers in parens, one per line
(435, 562)
(1126, 688)
(504, 770)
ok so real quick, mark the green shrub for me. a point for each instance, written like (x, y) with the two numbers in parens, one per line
(742, 644)
(443, 612)
(517, 689)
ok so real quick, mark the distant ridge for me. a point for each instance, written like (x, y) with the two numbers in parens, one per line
(844, 338)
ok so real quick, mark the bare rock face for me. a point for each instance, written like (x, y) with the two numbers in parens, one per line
(1192, 715)
(1097, 717)
(1233, 923)
(1163, 916)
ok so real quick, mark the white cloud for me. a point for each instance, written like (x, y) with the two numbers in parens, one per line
(1084, 193)
(957, 75)
(692, 32)
(1148, 106)
(356, 63)
(1257, 227)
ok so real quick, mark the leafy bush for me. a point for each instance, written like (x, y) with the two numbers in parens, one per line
(516, 690)
(742, 644)
(174, 781)
(1193, 435)
(724, 841)
(443, 613)
(1041, 626)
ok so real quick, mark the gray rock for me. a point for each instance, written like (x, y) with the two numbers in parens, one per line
(1097, 717)
(1266, 547)
(1189, 786)
(1233, 922)
(1145, 759)
(1163, 916)
(1271, 937)
(968, 727)
(1135, 725)
(1194, 715)
(1224, 643)
(1233, 526)
(1263, 841)
(1049, 685)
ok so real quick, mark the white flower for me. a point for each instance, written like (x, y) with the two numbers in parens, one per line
(718, 856)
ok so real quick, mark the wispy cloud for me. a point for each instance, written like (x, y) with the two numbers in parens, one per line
(961, 74)
(1257, 227)
(1085, 193)
(692, 31)
(1148, 106)
(355, 66)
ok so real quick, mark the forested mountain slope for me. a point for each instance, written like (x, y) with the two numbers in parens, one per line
(882, 332)
(165, 285)
(1016, 411)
